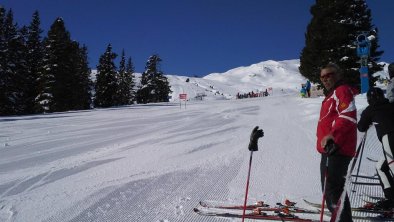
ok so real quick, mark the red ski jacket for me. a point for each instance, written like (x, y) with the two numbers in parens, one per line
(338, 117)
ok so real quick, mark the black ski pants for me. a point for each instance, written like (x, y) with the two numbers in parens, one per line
(385, 166)
(336, 178)
(385, 178)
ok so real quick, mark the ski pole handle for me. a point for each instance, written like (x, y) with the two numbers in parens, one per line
(254, 138)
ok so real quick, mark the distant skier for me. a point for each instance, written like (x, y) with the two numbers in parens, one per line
(336, 137)
(303, 91)
(380, 113)
(308, 88)
(390, 86)
(266, 93)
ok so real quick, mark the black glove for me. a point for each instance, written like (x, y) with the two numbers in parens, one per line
(331, 147)
(254, 137)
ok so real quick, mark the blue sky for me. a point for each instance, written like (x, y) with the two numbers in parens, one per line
(193, 37)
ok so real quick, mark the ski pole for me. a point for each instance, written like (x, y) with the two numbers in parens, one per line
(247, 186)
(253, 146)
(361, 146)
(324, 191)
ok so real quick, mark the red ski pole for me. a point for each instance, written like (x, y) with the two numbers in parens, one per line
(247, 186)
(324, 192)
(253, 146)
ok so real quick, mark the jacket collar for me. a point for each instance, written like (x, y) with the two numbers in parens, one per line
(337, 84)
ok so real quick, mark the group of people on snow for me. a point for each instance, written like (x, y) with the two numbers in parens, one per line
(252, 94)
(337, 138)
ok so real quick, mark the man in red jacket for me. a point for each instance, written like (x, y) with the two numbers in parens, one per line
(336, 137)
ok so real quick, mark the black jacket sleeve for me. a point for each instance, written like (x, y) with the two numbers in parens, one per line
(365, 120)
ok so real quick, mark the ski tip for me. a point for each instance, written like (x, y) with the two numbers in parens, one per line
(196, 210)
(307, 201)
(202, 203)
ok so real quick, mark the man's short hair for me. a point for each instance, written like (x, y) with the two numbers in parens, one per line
(335, 68)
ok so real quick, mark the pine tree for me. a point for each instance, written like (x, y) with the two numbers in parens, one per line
(4, 102)
(59, 45)
(126, 83)
(106, 80)
(121, 97)
(54, 80)
(63, 81)
(130, 79)
(13, 66)
(154, 85)
(331, 36)
(163, 88)
(25, 101)
(363, 14)
(34, 63)
(145, 92)
(81, 96)
(45, 100)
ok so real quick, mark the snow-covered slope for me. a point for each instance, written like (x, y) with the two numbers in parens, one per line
(154, 162)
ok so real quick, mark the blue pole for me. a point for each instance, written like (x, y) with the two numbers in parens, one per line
(364, 79)
(363, 47)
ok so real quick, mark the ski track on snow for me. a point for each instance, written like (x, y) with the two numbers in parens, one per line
(168, 197)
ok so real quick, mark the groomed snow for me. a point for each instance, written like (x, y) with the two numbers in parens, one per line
(155, 162)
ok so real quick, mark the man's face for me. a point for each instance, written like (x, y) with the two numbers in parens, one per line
(328, 78)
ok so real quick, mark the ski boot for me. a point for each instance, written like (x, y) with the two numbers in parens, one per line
(289, 203)
(261, 204)
(387, 214)
(385, 204)
(258, 211)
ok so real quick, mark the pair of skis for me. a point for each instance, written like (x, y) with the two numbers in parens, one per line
(282, 212)
(287, 207)
(258, 211)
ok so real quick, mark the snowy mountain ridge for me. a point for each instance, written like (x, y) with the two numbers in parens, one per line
(278, 75)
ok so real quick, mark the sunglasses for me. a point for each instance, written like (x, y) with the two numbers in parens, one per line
(327, 75)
